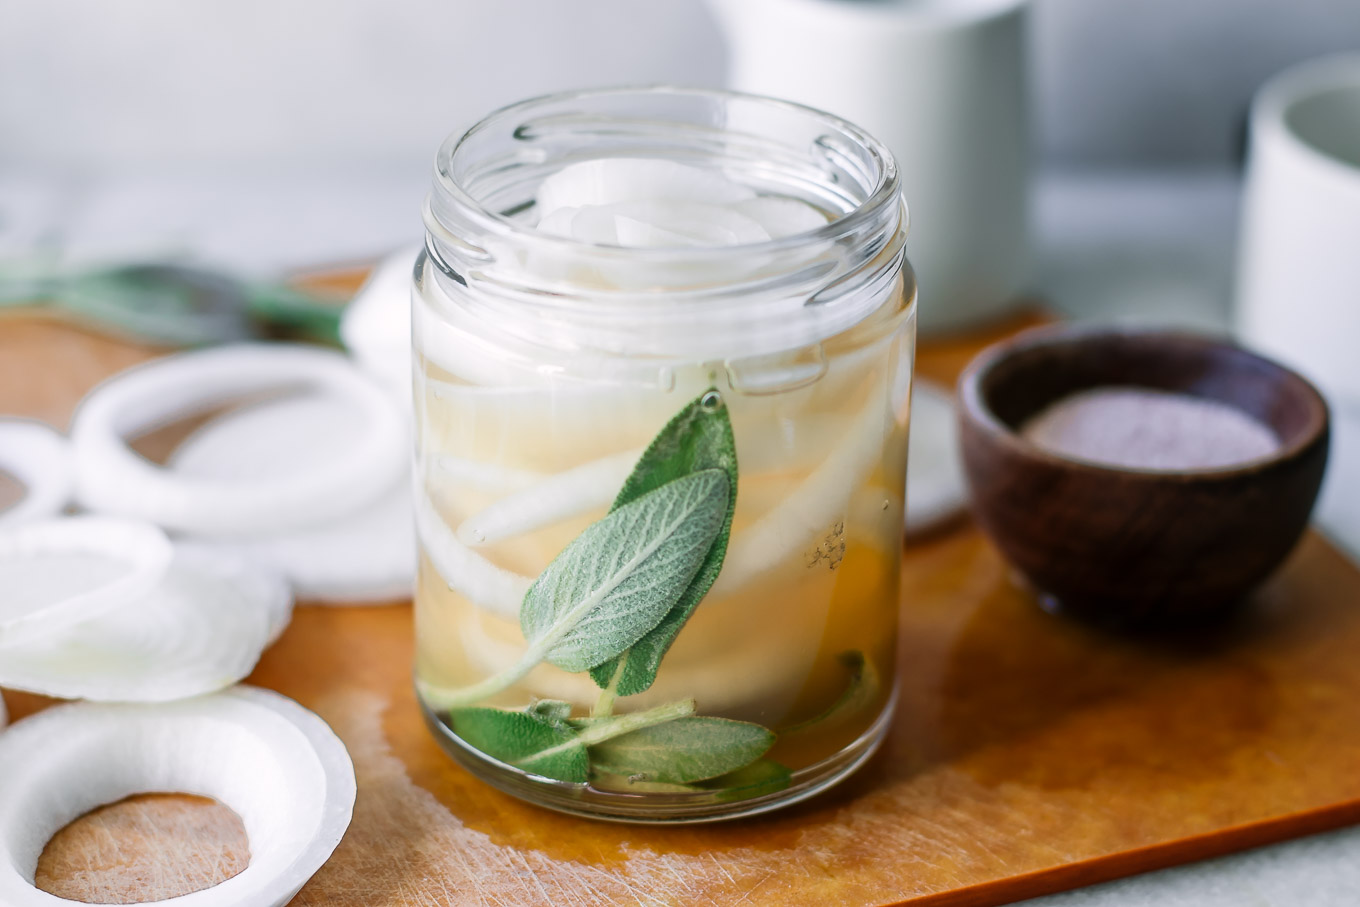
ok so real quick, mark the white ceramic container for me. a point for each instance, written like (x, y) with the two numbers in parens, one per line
(942, 83)
(1298, 293)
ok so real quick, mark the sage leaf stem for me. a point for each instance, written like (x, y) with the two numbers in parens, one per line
(603, 729)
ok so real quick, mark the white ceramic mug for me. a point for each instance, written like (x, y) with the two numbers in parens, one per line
(1298, 293)
(942, 83)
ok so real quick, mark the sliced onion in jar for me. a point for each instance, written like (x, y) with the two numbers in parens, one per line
(466, 572)
(570, 493)
(812, 505)
(610, 180)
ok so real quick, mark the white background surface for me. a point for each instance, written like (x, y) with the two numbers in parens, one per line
(266, 134)
(93, 84)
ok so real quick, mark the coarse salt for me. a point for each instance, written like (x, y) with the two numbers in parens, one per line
(1139, 428)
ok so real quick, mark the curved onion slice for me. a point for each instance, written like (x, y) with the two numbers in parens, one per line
(935, 483)
(376, 326)
(492, 478)
(58, 572)
(566, 494)
(811, 506)
(760, 677)
(365, 556)
(277, 765)
(611, 180)
(112, 478)
(781, 216)
(40, 458)
(202, 628)
(466, 572)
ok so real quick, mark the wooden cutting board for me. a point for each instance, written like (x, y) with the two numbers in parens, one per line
(1028, 754)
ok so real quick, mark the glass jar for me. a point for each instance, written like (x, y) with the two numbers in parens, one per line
(660, 490)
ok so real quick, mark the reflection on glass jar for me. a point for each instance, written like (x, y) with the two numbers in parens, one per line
(663, 345)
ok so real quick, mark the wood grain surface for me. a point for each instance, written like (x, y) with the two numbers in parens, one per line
(1028, 755)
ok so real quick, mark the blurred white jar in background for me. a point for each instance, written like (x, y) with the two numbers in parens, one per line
(1298, 294)
(943, 84)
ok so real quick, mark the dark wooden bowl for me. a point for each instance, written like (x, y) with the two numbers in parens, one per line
(1126, 546)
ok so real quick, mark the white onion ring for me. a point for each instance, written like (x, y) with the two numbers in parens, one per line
(365, 556)
(936, 490)
(201, 629)
(561, 496)
(112, 478)
(73, 569)
(277, 765)
(376, 325)
(40, 458)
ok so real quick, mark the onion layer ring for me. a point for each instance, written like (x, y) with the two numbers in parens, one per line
(112, 478)
(65, 570)
(367, 556)
(279, 766)
(40, 458)
(199, 630)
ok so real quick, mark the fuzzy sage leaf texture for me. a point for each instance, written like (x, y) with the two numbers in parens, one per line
(683, 751)
(524, 739)
(699, 438)
(617, 580)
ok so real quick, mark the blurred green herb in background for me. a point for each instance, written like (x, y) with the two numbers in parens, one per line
(175, 305)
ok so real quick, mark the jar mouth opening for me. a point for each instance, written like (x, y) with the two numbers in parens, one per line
(454, 206)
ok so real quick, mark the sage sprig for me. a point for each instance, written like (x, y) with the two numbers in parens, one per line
(536, 741)
(612, 603)
(698, 439)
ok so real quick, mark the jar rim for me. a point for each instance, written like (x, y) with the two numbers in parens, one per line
(885, 194)
(515, 281)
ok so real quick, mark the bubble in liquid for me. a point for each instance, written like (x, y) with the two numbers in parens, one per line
(886, 503)
(478, 536)
(711, 402)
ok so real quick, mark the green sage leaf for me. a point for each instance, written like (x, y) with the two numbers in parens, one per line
(524, 740)
(554, 712)
(683, 751)
(620, 577)
(764, 776)
(861, 691)
(698, 438)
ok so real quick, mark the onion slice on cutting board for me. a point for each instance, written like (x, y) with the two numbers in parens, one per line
(364, 556)
(59, 572)
(277, 765)
(114, 479)
(200, 629)
(40, 458)
(936, 491)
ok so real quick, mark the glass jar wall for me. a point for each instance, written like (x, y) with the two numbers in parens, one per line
(660, 489)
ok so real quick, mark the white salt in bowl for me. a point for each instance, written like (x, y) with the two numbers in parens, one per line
(1110, 527)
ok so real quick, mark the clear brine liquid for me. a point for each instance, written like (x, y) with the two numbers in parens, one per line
(513, 472)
